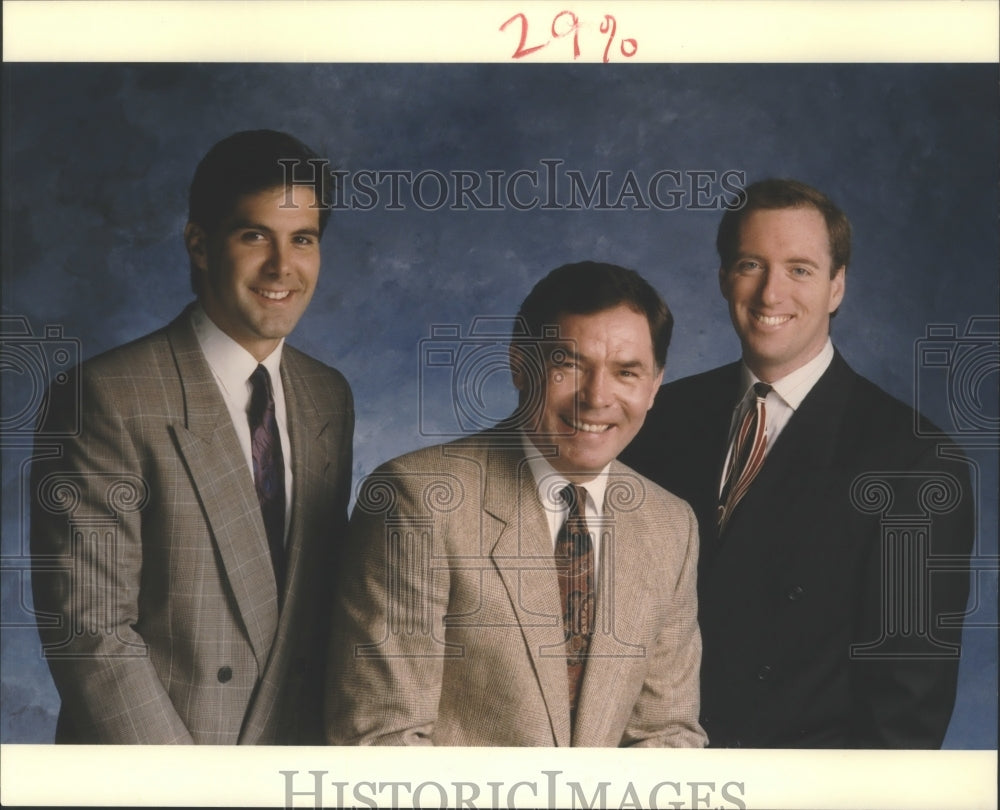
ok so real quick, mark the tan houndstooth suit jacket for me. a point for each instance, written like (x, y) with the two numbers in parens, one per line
(448, 625)
(155, 595)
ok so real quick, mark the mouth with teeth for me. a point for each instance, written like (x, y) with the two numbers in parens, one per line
(272, 295)
(586, 427)
(771, 320)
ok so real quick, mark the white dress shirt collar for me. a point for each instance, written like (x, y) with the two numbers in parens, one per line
(230, 362)
(793, 387)
(549, 482)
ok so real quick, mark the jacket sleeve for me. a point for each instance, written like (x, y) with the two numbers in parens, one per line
(666, 713)
(88, 494)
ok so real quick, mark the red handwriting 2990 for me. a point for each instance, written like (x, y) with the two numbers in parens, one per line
(566, 24)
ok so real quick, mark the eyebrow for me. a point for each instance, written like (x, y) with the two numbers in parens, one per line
(623, 364)
(565, 345)
(248, 225)
(791, 260)
(802, 260)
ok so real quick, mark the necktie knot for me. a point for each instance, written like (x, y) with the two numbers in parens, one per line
(761, 390)
(261, 396)
(574, 496)
(575, 527)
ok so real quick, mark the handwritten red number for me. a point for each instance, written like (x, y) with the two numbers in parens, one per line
(521, 50)
(574, 29)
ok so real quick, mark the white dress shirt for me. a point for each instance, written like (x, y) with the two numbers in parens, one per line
(232, 366)
(549, 482)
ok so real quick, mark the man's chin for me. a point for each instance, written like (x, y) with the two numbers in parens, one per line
(586, 464)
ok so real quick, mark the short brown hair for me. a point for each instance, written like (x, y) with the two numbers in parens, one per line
(775, 193)
(584, 288)
(246, 163)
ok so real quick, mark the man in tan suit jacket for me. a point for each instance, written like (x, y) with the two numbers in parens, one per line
(165, 615)
(452, 626)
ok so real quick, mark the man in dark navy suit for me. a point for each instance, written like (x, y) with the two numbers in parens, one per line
(822, 502)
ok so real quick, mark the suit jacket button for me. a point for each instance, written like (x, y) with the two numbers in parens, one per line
(225, 674)
(795, 594)
(763, 673)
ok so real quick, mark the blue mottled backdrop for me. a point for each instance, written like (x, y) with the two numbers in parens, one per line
(97, 159)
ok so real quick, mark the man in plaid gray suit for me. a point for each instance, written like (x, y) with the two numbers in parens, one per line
(174, 605)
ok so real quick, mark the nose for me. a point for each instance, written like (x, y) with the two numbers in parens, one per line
(278, 259)
(595, 390)
(772, 286)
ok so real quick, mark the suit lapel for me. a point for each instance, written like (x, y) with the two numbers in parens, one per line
(708, 432)
(523, 557)
(305, 426)
(711, 430)
(208, 444)
(622, 595)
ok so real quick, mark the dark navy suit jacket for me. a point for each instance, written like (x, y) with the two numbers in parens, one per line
(830, 609)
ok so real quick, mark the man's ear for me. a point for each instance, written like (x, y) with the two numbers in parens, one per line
(656, 388)
(196, 241)
(837, 286)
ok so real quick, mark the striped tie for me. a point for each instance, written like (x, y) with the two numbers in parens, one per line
(268, 469)
(574, 555)
(747, 456)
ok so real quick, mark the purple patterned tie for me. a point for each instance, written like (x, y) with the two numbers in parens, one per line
(268, 469)
(574, 555)
(747, 456)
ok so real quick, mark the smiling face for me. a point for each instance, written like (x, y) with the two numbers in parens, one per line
(259, 268)
(600, 380)
(781, 289)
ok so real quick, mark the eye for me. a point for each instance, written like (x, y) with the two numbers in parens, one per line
(801, 272)
(304, 240)
(747, 266)
(560, 358)
(251, 236)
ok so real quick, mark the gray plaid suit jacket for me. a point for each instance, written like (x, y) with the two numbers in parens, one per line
(153, 585)
(448, 628)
